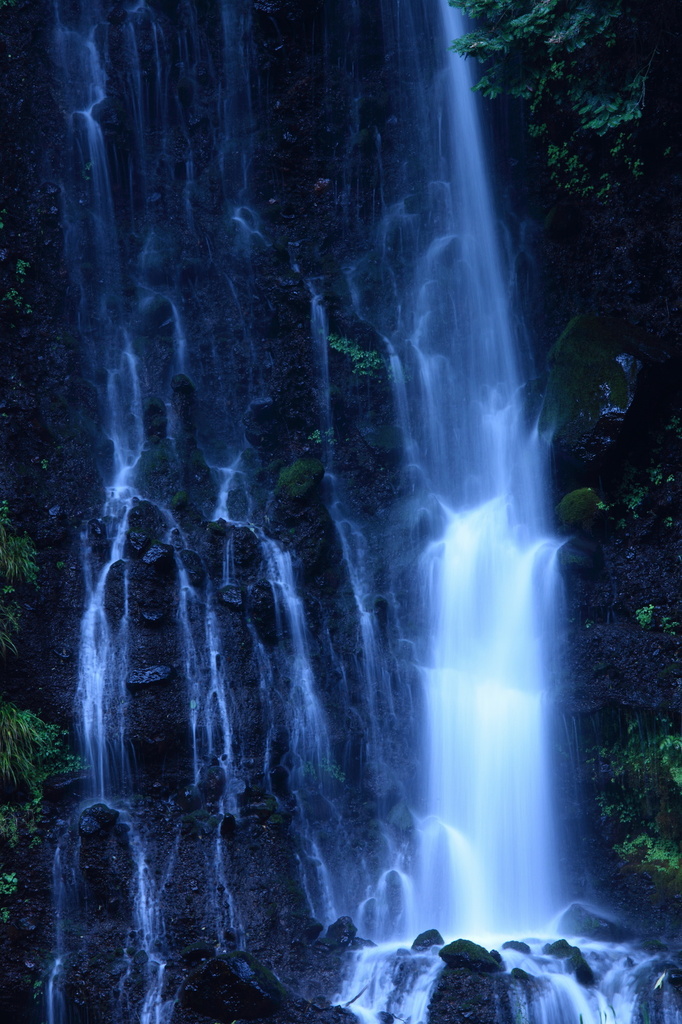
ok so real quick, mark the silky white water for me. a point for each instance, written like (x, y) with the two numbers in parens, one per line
(482, 858)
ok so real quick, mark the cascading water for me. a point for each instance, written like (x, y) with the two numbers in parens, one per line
(482, 860)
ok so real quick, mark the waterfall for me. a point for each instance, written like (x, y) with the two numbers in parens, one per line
(353, 684)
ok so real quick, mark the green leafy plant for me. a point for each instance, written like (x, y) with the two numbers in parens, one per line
(645, 616)
(17, 564)
(638, 771)
(31, 750)
(322, 437)
(8, 883)
(365, 362)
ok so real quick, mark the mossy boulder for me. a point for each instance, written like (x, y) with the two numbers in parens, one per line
(515, 944)
(579, 508)
(577, 964)
(561, 949)
(519, 974)
(468, 954)
(592, 381)
(299, 480)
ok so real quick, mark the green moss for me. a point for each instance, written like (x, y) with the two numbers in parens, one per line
(588, 375)
(179, 500)
(468, 954)
(578, 508)
(299, 479)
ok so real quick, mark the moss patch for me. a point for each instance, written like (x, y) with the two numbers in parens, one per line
(578, 508)
(298, 480)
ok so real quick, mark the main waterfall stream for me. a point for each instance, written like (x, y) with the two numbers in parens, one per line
(423, 716)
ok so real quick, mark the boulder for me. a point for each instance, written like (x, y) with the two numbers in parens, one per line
(578, 508)
(144, 517)
(233, 986)
(519, 974)
(231, 597)
(425, 940)
(146, 678)
(341, 932)
(161, 557)
(578, 920)
(464, 953)
(97, 820)
(577, 964)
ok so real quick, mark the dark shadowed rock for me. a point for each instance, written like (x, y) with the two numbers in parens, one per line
(234, 986)
(114, 591)
(262, 611)
(58, 787)
(228, 826)
(145, 517)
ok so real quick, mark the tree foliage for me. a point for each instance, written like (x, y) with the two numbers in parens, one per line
(582, 66)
